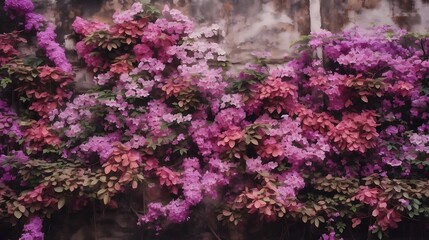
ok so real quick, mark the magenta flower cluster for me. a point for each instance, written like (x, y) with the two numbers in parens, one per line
(45, 38)
(33, 229)
(19, 7)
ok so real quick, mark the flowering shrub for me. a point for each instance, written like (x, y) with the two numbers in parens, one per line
(33, 230)
(338, 142)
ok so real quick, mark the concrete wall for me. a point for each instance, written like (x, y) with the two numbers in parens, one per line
(259, 25)
(409, 14)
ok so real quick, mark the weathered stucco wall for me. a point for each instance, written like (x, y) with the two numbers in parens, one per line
(409, 14)
(248, 25)
(259, 25)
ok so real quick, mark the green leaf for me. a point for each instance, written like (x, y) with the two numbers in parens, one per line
(4, 82)
(21, 208)
(316, 222)
(17, 214)
(183, 151)
(61, 203)
(101, 191)
(254, 141)
(106, 199)
(380, 235)
(33, 61)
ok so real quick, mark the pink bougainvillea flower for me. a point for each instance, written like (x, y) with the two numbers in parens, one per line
(231, 137)
(168, 178)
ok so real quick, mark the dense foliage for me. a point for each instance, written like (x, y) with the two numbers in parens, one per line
(334, 141)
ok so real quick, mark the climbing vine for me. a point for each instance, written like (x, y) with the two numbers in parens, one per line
(336, 142)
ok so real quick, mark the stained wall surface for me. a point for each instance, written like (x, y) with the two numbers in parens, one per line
(412, 15)
(259, 25)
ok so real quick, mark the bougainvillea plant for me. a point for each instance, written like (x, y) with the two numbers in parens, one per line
(335, 141)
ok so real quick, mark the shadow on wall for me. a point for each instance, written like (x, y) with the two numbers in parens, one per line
(408, 14)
